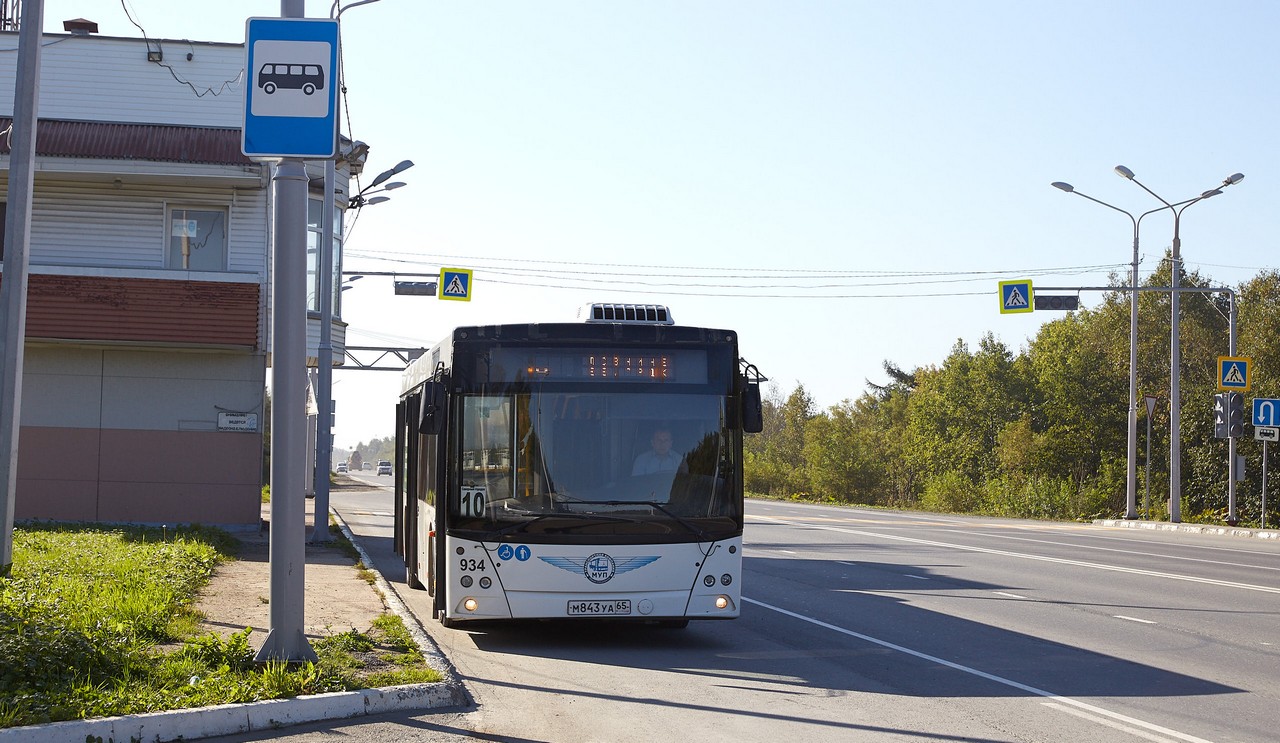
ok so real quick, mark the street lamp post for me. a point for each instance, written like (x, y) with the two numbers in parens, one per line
(1131, 456)
(324, 351)
(1175, 351)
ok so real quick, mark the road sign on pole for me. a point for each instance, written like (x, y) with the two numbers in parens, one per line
(1266, 433)
(455, 284)
(1233, 373)
(1266, 411)
(1016, 296)
(291, 99)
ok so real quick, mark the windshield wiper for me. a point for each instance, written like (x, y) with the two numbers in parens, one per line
(586, 517)
(699, 533)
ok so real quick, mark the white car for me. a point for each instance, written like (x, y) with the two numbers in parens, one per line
(384, 467)
(342, 468)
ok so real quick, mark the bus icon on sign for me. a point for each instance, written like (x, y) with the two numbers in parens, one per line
(305, 77)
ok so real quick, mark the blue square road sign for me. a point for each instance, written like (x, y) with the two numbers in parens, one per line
(291, 96)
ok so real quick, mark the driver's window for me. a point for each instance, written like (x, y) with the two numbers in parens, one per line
(486, 452)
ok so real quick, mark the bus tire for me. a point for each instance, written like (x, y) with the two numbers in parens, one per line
(411, 580)
(448, 623)
(308, 89)
(269, 88)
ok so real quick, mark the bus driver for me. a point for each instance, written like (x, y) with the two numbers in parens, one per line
(660, 458)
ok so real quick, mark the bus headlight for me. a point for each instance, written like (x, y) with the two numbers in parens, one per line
(471, 604)
(722, 602)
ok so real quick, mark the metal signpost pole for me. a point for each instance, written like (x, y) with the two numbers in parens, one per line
(324, 362)
(1264, 484)
(287, 639)
(13, 285)
(1231, 440)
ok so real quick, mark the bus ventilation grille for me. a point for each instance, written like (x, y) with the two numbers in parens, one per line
(631, 314)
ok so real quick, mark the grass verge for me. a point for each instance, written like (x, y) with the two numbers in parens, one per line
(88, 608)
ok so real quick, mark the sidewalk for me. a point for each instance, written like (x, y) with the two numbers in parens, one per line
(337, 599)
(1214, 529)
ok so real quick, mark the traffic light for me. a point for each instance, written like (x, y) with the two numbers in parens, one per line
(1057, 302)
(1235, 414)
(1220, 430)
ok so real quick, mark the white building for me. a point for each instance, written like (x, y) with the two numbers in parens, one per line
(149, 270)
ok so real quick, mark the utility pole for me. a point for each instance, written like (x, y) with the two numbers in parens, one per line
(13, 283)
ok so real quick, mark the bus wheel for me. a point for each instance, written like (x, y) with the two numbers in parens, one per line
(448, 623)
(411, 580)
(308, 88)
(269, 88)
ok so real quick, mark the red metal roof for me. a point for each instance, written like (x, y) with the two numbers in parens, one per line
(159, 142)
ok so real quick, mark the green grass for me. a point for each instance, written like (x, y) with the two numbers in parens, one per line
(90, 616)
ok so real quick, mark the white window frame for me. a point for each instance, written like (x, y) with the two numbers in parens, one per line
(182, 261)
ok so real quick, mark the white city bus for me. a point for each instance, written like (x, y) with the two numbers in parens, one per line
(589, 469)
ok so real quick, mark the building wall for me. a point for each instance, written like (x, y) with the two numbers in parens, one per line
(120, 434)
(103, 78)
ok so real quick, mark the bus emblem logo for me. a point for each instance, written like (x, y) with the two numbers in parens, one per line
(599, 567)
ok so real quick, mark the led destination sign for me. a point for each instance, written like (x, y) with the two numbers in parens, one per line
(598, 365)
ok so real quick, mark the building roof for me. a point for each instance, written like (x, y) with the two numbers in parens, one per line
(159, 142)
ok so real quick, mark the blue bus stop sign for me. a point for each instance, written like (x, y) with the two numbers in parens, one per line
(291, 96)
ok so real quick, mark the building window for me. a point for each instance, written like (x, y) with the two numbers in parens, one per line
(315, 234)
(197, 239)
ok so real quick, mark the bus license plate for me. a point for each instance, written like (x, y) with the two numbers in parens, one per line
(599, 608)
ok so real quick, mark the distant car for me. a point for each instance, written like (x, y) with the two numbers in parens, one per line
(384, 467)
(368, 467)
(342, 467)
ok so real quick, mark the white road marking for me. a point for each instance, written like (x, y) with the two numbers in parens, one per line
(1066, 701)
(1103, 721)
(1133, 619)
(1038, 558)
(1009, 595)
(917, 577)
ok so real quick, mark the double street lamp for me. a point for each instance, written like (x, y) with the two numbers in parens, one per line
(1175, 467)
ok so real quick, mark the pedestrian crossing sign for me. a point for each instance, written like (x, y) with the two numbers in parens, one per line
(1015, 296)
(1233, 373)
(455, 284)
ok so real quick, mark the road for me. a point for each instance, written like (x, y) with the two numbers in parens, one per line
(869, 625)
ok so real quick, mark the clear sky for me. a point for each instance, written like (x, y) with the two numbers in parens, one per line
(842, 183)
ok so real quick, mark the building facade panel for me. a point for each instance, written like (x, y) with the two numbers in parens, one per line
(101, 78)
(187, 313)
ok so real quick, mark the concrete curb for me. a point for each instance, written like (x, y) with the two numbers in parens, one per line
(273, 714)
(1227, 531)
(430, 651)
(228, 719)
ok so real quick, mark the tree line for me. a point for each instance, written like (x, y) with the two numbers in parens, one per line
(1040, 432)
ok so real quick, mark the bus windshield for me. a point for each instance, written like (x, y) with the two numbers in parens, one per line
(596, 465)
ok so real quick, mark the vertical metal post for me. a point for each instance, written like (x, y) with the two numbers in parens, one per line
(1147, 499)
(1264, 484)
(324, 362)
(1131, 450)
(13, 284)
(1175, 391)
(287, 641)
(1231, 440)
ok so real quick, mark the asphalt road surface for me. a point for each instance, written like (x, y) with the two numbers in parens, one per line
(867, 625)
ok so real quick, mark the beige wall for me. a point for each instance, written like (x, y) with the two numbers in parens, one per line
(131, 435)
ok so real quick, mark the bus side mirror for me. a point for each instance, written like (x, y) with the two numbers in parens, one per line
(434, 405)
(752, 409)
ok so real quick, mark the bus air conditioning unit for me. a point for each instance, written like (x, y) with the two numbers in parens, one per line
(626, 314)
